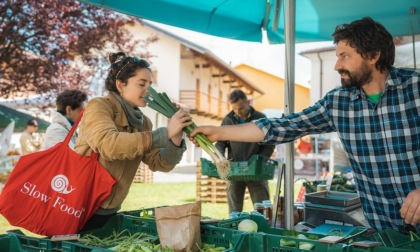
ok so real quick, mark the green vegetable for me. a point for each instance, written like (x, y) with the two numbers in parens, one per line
(122, 241)
(287, 243)
(339, 180)
(413, 236)
(162, 104)
(248, 226)
(210, 248)
(302, 244)
(306, 245)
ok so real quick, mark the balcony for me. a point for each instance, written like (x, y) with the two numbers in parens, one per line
(204, 104)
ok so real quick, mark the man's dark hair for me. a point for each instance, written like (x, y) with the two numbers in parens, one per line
(72, 98)
(236, 95)
(368, 37)
(32, 122)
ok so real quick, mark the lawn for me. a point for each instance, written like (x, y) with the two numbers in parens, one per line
(165, 194)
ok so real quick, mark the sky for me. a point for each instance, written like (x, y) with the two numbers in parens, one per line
(266, 57)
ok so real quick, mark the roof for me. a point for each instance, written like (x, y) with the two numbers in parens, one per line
(8, 114)
(270, 74)
(206, 54)
(324, 49)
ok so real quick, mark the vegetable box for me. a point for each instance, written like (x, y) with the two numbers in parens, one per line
(232, 240)
(10, 243)
(258, 167)
(270, 239)
(34, 244)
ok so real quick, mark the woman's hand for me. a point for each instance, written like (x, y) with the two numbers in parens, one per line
(176, 123)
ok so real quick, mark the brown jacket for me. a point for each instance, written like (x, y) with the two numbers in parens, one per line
(104, 129)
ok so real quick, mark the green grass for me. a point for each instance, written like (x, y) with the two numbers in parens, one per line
(165, 194)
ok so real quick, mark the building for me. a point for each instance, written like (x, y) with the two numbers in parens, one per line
(193, 76)
(272, 102)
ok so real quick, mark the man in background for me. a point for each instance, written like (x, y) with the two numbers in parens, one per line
(69, 105)
(28, 141)
(241, 113)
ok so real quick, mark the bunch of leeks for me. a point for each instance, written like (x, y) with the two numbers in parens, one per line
(162, 104)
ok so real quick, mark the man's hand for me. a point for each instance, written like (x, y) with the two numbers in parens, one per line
(410, 210)
(209, 131)
(247, 132)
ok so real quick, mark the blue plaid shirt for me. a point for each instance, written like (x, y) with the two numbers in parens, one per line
(382, 140)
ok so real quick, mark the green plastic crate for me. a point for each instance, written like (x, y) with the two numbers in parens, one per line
(394, 239)
(117, 223)
(265, 228)
(258, 167)
(270, 242)
(35, 244)
(230, 239)
(143, 213)
(10, 243)
(378, 249)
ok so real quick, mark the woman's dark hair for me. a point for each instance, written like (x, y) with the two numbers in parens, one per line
(368, 38)
(123, 68)
(72, 98)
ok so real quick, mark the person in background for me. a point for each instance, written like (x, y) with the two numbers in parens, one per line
(69, 105)
(28, 141)
(304, 145)
(115, 128)
(376, 113)
(241, 113)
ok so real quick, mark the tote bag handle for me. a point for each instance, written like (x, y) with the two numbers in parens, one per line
(73, 128)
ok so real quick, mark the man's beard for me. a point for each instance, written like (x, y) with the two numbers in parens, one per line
(358, 78)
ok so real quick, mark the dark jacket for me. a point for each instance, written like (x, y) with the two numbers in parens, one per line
(242, 151)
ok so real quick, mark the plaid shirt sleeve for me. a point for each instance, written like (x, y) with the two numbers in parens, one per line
(313, 120)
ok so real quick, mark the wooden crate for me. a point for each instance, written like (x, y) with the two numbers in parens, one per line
(212, 190)
(143, 174)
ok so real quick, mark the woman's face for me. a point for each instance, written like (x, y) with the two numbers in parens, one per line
(136, 88)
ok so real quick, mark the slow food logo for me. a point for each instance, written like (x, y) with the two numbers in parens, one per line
(59, 184)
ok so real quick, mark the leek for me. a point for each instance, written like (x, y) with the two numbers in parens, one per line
(161, 103)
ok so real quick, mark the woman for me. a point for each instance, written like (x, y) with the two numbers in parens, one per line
(114, 127)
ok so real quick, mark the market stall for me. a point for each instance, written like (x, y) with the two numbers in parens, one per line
(246, 20)
(226, 233)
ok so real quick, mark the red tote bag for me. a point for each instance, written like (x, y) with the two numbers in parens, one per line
(55, 191)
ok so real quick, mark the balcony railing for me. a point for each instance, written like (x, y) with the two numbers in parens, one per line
(202, 104)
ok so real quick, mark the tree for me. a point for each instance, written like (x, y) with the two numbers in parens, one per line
(43, 42)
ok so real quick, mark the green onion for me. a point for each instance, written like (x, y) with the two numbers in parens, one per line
(162, 104)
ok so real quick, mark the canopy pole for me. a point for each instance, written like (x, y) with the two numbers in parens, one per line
(289, 33)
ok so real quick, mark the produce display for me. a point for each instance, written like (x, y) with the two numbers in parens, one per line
(302, 245)
(339, 183)
(248, 232)
(124, 241)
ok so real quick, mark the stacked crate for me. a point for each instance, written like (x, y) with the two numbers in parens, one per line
(143, 174)
(212, 190)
